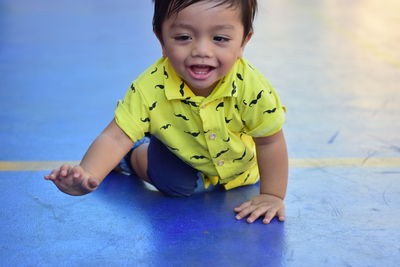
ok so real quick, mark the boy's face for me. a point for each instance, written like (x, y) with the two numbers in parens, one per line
(202, 43)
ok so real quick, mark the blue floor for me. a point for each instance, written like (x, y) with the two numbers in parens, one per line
(336, 64)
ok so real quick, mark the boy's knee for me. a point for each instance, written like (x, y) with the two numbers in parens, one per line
(139, 161)
(177, 191)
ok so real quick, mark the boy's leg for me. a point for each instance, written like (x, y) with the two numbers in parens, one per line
(157, 165)
(139, 161)
(125, 165)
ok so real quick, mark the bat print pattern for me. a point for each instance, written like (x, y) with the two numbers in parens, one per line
(252, 157)
(187, 102)
(219, 154)
(154, 71)
(254, 102)
(247, 177)
(198, 157)
(242, 157)
(159, 86)
(145, 120)
(194, 134)
(133, 88)
(181, 116)
(227, 120)
(239, 76)
(227, 140)
(220, 105)
(269, 111)
(165, 127)
(234, 88)
(240, 173)
(166, 74)
(153, 106)
(181, 88)
(172, 148)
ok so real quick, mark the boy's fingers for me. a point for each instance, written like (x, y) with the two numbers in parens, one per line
(245, 212)
(76, 179)
(243, 206)
(269, 216)
(64, 170)
(80, 175)
(53, 175)
(76, 172)
(256, 214)
(49, 176)
(281, 214)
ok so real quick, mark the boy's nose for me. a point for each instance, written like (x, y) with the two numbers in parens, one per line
(201, 49)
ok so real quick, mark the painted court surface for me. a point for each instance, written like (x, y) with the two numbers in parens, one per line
(336, 65)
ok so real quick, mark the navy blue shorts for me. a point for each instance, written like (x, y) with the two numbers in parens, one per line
(169, 174)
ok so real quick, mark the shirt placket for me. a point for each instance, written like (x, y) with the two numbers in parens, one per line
(212, 120)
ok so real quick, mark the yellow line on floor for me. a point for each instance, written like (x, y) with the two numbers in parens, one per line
(344, 162)
(294, 163)
(33, 165)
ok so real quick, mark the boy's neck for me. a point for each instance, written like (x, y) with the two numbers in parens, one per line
(204, 92)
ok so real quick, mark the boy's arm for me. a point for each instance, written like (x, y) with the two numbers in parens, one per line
(273, 166)
(101, 157)
(106, 151)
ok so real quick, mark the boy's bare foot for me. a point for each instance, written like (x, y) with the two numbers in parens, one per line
(73, 181)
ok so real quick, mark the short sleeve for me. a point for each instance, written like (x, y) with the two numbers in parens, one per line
(132, 114)
(263, 114)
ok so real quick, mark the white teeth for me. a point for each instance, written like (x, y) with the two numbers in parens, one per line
(202, 72)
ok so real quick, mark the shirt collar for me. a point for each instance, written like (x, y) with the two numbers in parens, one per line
(176, 88)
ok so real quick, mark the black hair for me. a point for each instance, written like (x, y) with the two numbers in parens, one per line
(163, 9)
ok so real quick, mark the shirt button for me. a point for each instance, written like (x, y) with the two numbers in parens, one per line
(203, 106)
(212, 136)
(221, 162)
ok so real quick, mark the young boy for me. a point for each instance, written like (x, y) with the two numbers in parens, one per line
(206, 109)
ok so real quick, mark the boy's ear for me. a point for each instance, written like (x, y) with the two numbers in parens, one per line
(247, 39)
(158, 36)
(244, 43)
(161, 43)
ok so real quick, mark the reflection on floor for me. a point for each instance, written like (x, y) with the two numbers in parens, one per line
(336, 65)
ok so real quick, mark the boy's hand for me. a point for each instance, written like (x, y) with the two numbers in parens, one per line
(73, 181)
(265, 205)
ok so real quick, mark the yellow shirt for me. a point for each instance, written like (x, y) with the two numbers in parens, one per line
(213, 134)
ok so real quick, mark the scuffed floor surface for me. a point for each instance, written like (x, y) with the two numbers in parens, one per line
(336, 65)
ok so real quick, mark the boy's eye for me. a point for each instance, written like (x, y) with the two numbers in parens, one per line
(221, 39)
(182, 38)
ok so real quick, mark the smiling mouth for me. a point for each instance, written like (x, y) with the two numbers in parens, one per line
(201, 72)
